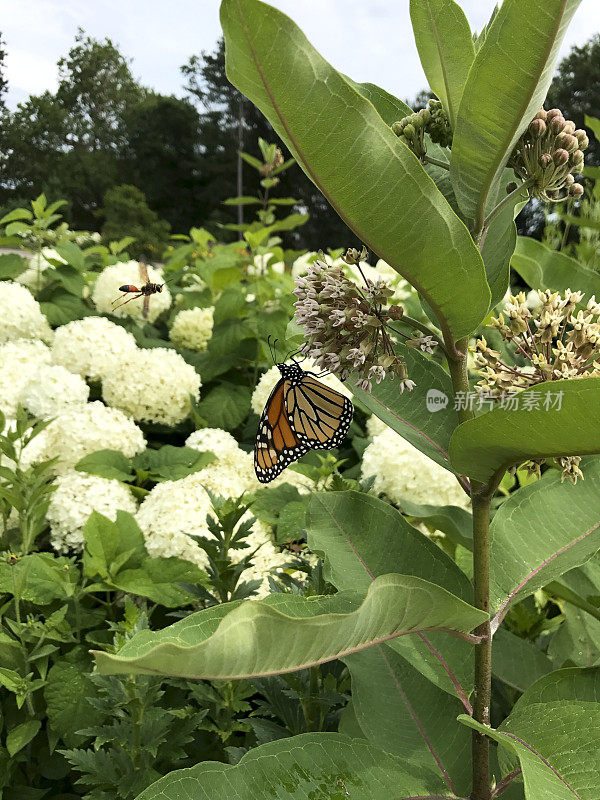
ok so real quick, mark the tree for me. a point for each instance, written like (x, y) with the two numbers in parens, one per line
(3, 80)
(126, 213)
(162, 157)
(576, 89)
(224, 114)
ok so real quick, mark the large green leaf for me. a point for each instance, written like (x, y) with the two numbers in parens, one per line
(558, 746)
(499, 243)
(507, 84)
(445, 48)
(389, 108)
(502, 437)
(544, 268)
(284, 633)
(517, 662)
(408, 413)
(572, 683)
(368, 175)
(320, 766)
(402, 712)
(362, 538)
(534, 540)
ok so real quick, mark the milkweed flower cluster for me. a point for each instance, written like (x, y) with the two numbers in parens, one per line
(152, 386)
(92, 347)
(192, 328)
(76, 496)
(20, 361)
(549, 155)
(83, 430)
(106, 291)
(21, 315)
(53, 390)
(345, 325)
(401, 472)
(550, 342)
(269, 379)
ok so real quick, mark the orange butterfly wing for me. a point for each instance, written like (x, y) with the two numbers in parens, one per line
(277, 444)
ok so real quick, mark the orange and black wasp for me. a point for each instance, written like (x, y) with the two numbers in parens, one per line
(145, 289)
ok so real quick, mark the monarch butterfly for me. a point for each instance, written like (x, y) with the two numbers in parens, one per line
(301, 414)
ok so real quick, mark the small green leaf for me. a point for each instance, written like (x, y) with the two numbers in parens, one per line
(63, 307)
(20, 736)
(172, 463)
(106, 541)
(11, 265)
(226, 406)
(158, 579)
(17, 213)
(72, 254)
(107, 464)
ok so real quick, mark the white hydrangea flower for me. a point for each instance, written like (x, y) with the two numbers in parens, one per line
(21, 314)
(214, 440)
(153, 386)
(403, 472)
(52, 390)
(269, 379)
(76, 496)
(81, 431)
(106, 290)
(20, 361)
(92, 347)
(34, 277)
(171, 515)
(192, 328)
(264, 262)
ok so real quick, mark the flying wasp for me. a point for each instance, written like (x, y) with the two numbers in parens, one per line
(145, 290)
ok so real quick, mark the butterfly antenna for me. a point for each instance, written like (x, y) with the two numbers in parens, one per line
(301, 349)
(272, 347)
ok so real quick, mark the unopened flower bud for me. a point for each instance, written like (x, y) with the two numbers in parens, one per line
(576, 190)
(538, 128)
(554, 112)
(557, 124)
(541, 114)
(569, 180)
(576, 161)
(426, 115)
(569, 126)
(582, 138)
(400, 370)
(545, 160)
(398, 128)
(560, 157)
(567, 141)
(409, 131)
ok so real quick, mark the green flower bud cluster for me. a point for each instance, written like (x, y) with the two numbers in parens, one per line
(550, 154)
(439, 126)
(411, 130)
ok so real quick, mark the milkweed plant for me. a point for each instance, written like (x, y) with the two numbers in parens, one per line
(434, 194)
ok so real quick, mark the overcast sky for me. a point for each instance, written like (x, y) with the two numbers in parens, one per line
(370, 40)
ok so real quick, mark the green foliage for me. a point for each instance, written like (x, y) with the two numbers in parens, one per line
(126, 212)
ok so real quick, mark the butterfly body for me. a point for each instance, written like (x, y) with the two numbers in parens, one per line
(301, 414)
